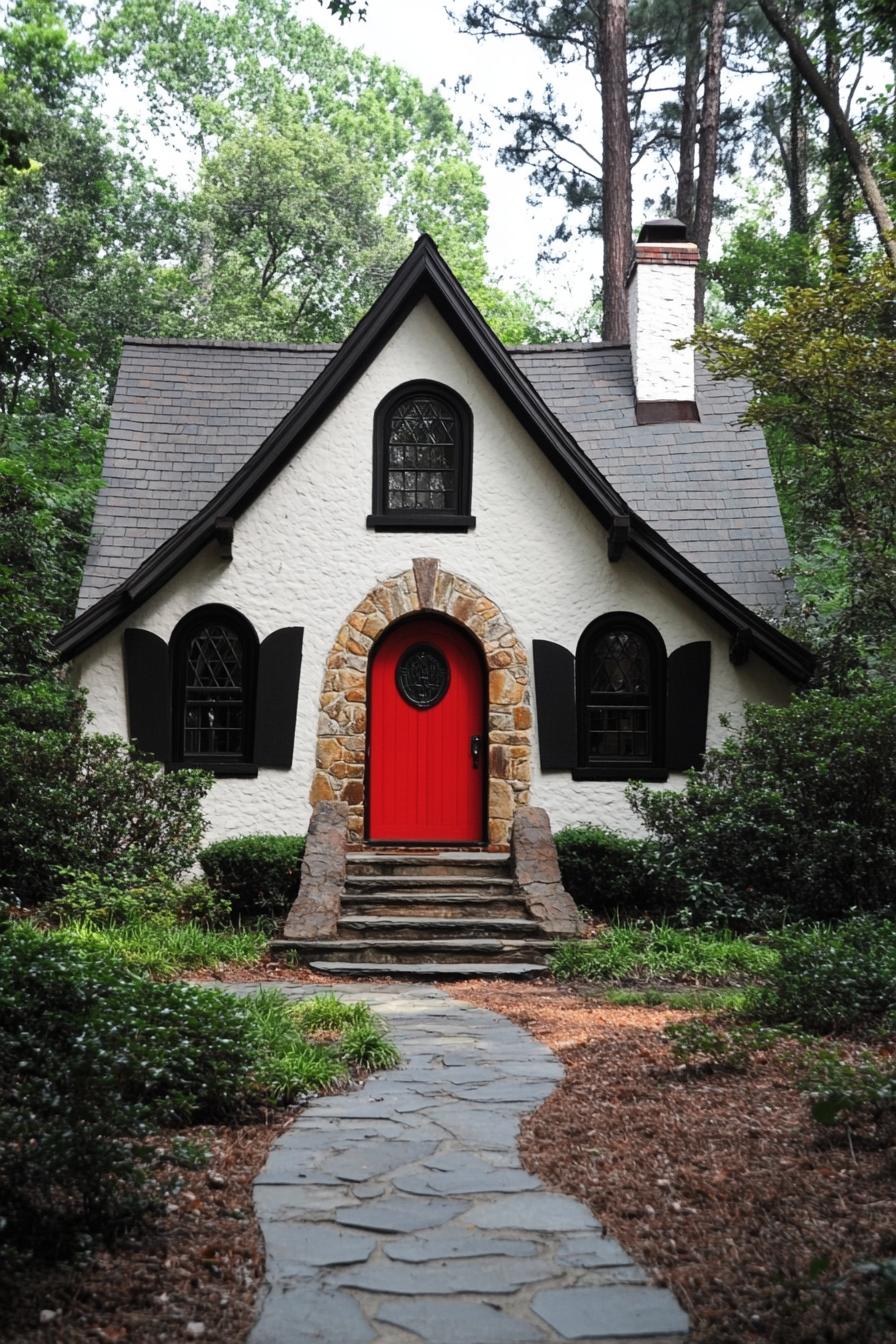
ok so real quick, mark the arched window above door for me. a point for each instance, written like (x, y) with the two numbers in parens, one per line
(422, 446)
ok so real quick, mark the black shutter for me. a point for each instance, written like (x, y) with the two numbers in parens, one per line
(687, 703)
(279, 665)
(555, 700)
(148, 688)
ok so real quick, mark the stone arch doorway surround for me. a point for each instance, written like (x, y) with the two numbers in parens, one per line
(342, 724)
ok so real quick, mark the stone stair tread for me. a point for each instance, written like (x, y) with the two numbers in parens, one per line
(428, 856)
(411, 894)
(428, 970)
(388, 922)
(406, 944)
(428, 882)
(415, 895)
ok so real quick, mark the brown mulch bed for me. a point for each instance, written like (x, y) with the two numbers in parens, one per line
(278, 970)
(720, 1182)
(199, 1259)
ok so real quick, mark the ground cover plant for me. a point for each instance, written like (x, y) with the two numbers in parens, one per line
(632, 952)
(94, 1058)
(839, 978)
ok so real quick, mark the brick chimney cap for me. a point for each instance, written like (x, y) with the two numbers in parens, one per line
(663, 231)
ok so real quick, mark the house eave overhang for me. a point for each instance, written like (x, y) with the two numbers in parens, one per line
(425, 275)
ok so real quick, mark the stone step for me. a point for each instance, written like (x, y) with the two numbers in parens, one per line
(411, 926)
(414, 949)
(428, 864)
(433, 970)
(423, 905)
(449, 883)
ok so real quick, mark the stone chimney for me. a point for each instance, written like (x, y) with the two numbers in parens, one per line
(660, 283)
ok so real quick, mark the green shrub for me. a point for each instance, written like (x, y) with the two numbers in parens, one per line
(831, 979)
(256, 874)
(72, 801)
(153, 899)
(606, 873)
(92, 1058)
(856, 1092)
(794, 817)
(95, 1057)
(662, 952)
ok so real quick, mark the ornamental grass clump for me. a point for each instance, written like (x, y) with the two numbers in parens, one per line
(661, 952)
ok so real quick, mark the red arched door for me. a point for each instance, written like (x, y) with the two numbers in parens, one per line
(427, 766)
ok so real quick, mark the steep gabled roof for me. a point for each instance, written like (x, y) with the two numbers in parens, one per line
(332, 372)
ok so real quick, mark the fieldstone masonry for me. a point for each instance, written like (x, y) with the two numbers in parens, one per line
(537, 873)
(315, 911)
(342, 724)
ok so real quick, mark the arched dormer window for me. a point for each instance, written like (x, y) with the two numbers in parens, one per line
(620, 670)
(422, 440)
(214, 666)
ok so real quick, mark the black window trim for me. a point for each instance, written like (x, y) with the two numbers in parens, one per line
(655, 768)
(456, 520)
(221, 766)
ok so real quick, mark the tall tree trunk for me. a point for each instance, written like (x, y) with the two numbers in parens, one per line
(838, 173)
(830, 105)
(797, 172)
(687, 145)
(709, 143)
(617, 180)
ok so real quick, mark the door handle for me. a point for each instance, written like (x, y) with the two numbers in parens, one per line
(475, 750)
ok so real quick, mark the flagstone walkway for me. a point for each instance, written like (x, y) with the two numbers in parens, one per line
(400, 1213)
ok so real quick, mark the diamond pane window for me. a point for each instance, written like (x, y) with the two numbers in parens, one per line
(619, 710)
(422, 457)
(214, 709)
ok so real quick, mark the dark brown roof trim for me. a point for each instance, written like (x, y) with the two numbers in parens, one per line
(425, 274)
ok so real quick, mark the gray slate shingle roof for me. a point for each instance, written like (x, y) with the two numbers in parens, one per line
(188, 414)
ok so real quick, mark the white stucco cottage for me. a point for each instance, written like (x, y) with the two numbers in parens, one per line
(428, 576)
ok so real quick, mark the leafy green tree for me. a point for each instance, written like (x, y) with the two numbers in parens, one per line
(823, 369)
(288, 228)
(759, 262)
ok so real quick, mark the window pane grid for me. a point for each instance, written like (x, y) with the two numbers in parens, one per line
(618, 710)
(214, 701)
(619, 732)
(421, 457)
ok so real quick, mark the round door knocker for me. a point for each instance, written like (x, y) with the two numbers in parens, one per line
(422, 676)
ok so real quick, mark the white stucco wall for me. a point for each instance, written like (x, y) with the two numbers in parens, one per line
(303, 555)
(661, 312)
